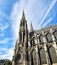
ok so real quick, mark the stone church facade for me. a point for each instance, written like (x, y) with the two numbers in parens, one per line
(37, 47)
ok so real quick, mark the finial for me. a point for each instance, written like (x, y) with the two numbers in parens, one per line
(31, 27)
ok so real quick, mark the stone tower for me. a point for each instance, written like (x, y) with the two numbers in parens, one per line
(35, 47)
(21, 47)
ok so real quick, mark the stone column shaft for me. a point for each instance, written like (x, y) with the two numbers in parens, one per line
(53, 38)
(29, 62)
(54, 44)
(47, 56)
(37, 55)
(38, 50)
(13, 63)
(29, 48)
(45, 47)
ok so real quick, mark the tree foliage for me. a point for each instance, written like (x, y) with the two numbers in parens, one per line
(8, 62)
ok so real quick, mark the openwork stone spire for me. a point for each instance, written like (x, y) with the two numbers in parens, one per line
(31, 27)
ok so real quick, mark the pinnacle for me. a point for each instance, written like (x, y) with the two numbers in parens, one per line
(31, 27)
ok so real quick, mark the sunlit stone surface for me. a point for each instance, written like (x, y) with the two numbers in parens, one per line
(35, 47)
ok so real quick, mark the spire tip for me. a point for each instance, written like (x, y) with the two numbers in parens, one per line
(23, 15)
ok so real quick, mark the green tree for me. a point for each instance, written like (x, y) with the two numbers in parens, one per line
(8, 62)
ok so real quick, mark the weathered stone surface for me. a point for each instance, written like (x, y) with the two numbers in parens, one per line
(37, 47)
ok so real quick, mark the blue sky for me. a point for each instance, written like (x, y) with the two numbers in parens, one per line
(41, 13)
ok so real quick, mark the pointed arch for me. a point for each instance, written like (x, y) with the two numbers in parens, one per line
(41, 39)
(34, 57)
(43, 56)
(55, 34)
(52, 54)
(49, 37)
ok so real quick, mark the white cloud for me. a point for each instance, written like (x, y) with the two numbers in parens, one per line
(8, 53)
(0, 53)
(1, 34)
(49, 9)
(4, 26)
(2, 14)
(47, 22)
(34, 11)
(5, 41)
(1, 2)
(3, 49)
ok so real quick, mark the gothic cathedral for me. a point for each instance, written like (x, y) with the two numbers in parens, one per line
(35, 47)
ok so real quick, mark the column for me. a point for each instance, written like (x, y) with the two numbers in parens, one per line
(45, 47)
(13, 63)
(47, 56)
(38, 49)
(13, 60)
(29, 62)
(29, 53)
(53, 38)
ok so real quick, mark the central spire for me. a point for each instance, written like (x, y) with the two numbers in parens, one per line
(23, 15)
